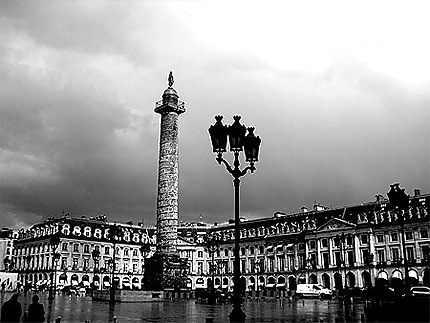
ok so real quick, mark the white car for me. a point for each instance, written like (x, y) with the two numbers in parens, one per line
(313, 290)
(420, 291)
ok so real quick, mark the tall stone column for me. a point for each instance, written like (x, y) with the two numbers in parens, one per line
(170, 107)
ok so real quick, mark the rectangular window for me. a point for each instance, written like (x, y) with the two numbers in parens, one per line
(325, 260)
(350, 258)
(324, 243)
(364, 239)
(252, 250)
(394, 237)
(395, 255)
(424, 234)
(225, 252)
(410, 254)
(312, 244)
(270, 264)
(336, 242)
(380, 238)
(75, 264)
(64, 263)
(200, 267)
(75, 247)
(290, 262)
(337, 259)
(425, 254)
(86, 248)
(408, 235)
(64, 246)
(86, 264)
(243, 265)
(134, 268)
(381, 256)
(242, 251)
(126, 267)
(281, 263)
(200, 254)
(252, 265)
(366, 258)
(107, 250)
(313, 260)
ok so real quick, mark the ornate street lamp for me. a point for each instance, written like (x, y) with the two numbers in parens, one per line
(54, 242)
(341, 240)
(95, 254)
(399, 201)
(115, 233)
(212, 244)
(238, 142)
(6, 262)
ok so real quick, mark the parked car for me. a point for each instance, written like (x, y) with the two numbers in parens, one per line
(313, 290)
(420, 291)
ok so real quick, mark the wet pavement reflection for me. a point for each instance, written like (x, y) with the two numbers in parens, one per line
(80, 309)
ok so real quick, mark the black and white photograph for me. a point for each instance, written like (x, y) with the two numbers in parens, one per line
(214, 161)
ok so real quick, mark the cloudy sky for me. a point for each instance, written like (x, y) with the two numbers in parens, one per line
(337, 90)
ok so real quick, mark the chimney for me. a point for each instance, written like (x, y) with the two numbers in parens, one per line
(417, 192)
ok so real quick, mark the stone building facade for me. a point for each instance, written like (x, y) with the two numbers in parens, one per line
(347, 246)
(341, 247)
(79, 238)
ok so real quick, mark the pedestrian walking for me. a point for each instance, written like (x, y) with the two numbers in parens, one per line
(11, 310)
(36, 312)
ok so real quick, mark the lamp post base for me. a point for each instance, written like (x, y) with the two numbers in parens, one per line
(112, 296)
(237, 314)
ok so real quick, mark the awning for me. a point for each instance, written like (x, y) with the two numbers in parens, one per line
(280, 285)
(75, 283)
(86, 283)
(216, 286)
(270, 285)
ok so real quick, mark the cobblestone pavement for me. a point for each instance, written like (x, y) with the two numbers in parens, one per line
(80, 309)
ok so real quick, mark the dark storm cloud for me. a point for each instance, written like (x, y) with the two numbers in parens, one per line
(78, 132)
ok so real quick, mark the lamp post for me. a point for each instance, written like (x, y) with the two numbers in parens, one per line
(56, 259)
(114, 234)
(145, 249)
(6, 262)
(212, 244)
(370, 263)
(54, 241)
(250, 144)
(399, 201)
(342, 241)
(257, 283)
(308, 267)
(96, 258)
